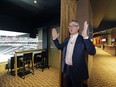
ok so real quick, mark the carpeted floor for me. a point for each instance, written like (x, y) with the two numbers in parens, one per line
(103, 74)
(104, 70)
(47, 78)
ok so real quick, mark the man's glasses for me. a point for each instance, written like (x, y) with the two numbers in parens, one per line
(72, 26)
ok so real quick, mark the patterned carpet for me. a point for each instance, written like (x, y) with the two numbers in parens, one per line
(103, 74)
(47, 78)
(104, 70)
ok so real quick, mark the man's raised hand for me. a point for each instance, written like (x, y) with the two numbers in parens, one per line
(85, 29)
(55, 34)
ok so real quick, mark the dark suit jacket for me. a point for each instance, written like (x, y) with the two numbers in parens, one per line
(79, 70)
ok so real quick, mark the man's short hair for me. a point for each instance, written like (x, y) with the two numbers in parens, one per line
(74, 21)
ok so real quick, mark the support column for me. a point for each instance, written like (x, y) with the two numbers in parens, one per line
(109, 37)
(68, 13)
(85, 14)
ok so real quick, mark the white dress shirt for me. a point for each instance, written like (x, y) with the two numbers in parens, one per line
(70, 48)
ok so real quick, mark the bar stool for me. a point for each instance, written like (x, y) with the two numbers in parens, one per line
(41, 60)
(26, 61)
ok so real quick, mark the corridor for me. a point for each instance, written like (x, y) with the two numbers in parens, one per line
(104, 70)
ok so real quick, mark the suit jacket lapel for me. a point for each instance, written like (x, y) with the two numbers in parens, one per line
(76, 43)
(66, 44)
(77, 40)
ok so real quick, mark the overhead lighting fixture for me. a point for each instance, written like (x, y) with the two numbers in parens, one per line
(35, 1)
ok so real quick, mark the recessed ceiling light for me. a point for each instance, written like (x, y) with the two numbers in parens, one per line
(35, 1)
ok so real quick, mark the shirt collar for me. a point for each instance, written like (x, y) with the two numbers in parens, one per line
(74, 36)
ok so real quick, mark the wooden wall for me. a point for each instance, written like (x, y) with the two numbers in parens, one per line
(68, 13)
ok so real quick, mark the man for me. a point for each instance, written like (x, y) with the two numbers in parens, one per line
(74, 65)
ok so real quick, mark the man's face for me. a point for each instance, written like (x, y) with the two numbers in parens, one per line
(73, 27)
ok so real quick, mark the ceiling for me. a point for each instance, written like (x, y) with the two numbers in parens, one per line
(42, 13)
(25, 15)
(104, 14)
